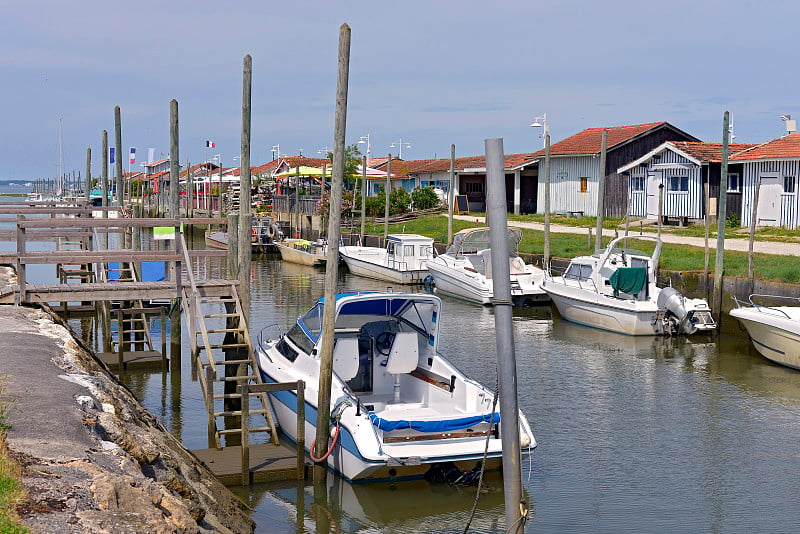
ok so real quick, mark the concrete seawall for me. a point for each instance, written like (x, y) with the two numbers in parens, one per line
(93, 459)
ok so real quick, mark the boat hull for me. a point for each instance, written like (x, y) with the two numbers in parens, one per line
(636, 318)
(372, 270)
(777, 338)
(466, 285)
(293, 255)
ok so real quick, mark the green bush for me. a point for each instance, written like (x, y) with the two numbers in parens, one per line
(424, 198)
(399, 201)
(733, 221)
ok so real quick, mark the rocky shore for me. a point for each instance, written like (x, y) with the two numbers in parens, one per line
(93, 459)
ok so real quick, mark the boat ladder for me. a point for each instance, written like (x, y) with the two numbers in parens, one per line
(223, 358)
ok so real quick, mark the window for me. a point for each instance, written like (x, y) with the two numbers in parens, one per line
(584, 184)
(474, 187)
(679, 183)
(788, 184)
(637, 183)
(390, 247)
(734, 186)
(578, 272)
(425, 250)
(408, 250)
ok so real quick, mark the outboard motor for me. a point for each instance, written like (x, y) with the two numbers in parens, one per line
(691, 314)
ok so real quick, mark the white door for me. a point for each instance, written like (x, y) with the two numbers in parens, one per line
(653, 181)
(769, 200)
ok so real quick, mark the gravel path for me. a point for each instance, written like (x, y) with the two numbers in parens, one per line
(737, 244)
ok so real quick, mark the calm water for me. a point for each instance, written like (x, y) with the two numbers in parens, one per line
(635, 434)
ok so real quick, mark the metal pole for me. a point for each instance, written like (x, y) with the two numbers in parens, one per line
(174, 162)
(363, 198)
(451, 195)
(245, 183)
(118, 156)
(388, 191)
(332, 263)
(506, 356)
(721, 216)
(601, 191)
(546, 254)
(298, 232)
(706, 192)
(753, 221)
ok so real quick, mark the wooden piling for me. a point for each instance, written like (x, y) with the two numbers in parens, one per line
(753, 222)
(174, 162)
(546, 253)
(118, 157)
(88, 187)
(245, 184)
(388, 194)
(721, 219)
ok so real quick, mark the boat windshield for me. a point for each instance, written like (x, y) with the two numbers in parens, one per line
(478, 239)
(311, 322)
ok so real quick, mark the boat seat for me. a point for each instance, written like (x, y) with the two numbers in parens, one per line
(404, 355)
(345, 358)
(486, 257)
(403, 358)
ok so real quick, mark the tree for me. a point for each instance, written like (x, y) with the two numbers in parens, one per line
(352, 159)
(324, 204)
(424, 198)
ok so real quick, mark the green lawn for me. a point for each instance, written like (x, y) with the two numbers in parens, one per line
(673, 257)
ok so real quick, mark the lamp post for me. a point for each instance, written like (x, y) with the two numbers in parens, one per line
(399, 145)
(276, 149)
(364, 140)
(541, 122)
(324, 151)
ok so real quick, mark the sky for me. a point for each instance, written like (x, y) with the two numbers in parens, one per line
(426, 74)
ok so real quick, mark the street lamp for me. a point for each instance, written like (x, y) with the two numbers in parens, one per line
(365, 140)
(324, 151)
(276, 149)
(541, 122)
(399, 144)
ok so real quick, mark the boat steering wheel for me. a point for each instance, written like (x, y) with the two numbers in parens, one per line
(384, 343)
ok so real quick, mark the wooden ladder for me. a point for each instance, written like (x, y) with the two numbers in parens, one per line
(219, 323)
(132, 325)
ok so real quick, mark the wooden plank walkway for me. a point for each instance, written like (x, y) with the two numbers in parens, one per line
(268, 463)
(140, 359)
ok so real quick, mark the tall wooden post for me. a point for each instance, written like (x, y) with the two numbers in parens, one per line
(363, 199)
(332, 263)
(189, 190)
(388, 194)
(706, 251)
(451, 195)
(660, 207)
(753, 222)
(245, 208)
(118, 157)
(601, 191)
(296, 216)
(721, 218)
(174, 162)
(546, 252)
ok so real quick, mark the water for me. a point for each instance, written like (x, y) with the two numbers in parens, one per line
(635, 434)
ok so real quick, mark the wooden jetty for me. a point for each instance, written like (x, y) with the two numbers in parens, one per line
(223, 359)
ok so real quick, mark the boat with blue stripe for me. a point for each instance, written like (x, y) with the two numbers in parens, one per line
(399, 409)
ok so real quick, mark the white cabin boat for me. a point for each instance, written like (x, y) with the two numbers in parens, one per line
(403, 261)
(401, 408)
(465, 270)
(616, 290)
(303, 251)
(774, 330)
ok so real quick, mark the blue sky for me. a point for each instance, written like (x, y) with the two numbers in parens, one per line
(430, 73)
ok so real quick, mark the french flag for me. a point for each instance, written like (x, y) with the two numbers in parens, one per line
(132, 159)
(210, 144)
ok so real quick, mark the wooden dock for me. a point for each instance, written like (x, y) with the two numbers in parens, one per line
(268, 463)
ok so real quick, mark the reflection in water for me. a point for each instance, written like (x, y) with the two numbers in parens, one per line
(640, 434)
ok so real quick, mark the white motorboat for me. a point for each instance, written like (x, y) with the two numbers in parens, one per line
(465, 270)
(774, 330)
(616, 290)
(303, 251)
(399, 408)
(402, 261)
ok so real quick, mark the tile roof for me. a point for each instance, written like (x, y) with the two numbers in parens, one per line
(709, 152)
(786, 147)
(589, 140)
(404, 168)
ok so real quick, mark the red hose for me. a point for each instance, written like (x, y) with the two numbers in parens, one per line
(330, 449)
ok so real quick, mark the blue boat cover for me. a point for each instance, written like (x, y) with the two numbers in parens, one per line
(441, 425)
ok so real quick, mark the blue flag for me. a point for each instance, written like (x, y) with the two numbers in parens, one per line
(111, 154)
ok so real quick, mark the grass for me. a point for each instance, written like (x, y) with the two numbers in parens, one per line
(674, 257)
(11, 492)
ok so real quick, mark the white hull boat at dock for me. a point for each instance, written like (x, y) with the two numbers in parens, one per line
(399, 409)
(615, 290)
(465, 270)
(774, 330)
(403, 261)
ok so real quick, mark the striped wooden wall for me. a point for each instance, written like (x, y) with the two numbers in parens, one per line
(565, 175)
(788, 201)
